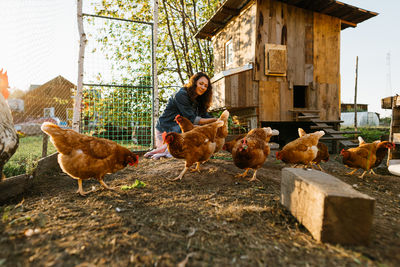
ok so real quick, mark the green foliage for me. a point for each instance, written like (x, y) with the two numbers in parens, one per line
(369, 134)
(234, 125)
(179, 54)
(385, 121)
(136, 184)
(25, 159)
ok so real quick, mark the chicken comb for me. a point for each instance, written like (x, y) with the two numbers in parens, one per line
(4, 84)
(176, 117)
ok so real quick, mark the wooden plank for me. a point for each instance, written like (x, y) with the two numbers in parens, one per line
(219, 99)
(329, 208)
(14, 186)
(334, 138)
(317, 127)
(269, 101)
(326, 49)
(262, 33)
(234, 85)
(348, 143)
(286, 102)
(328, 101)
(242, 88)
(246, 36)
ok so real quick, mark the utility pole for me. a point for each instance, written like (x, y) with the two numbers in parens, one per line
(355, 98)
(388, 76)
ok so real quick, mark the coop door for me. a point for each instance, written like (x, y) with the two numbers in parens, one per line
(275, 60)
(299, 96)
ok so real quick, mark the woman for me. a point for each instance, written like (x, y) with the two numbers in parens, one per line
(192, 101)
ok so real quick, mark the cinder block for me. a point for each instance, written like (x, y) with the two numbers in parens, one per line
(330, 209)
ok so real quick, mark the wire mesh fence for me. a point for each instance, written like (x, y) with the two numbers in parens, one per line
(117, 101)
(117, 95)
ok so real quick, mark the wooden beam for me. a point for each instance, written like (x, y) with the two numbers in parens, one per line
(330, 209)
(230, 11)
(351, 24)
(217, 24)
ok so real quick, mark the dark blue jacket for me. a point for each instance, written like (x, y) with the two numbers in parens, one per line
(179, 103)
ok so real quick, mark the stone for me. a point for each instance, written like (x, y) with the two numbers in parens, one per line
(331, 210)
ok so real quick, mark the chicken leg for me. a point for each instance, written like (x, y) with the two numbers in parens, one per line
(104, 184)
(352, 172)
(180, 175)
(362, 175)
(197, 169)
(243, 174)
(254, 178)
(80, 189)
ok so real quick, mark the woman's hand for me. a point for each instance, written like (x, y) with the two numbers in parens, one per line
(206, 121)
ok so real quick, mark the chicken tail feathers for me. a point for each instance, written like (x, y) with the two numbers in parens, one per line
(224, 116)
(50, 128)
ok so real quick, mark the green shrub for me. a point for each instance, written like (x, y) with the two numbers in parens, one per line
(369, 134)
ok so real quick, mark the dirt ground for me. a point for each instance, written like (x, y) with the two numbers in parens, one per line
(207, 219)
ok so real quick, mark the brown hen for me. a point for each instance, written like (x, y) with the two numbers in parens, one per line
(83, 157)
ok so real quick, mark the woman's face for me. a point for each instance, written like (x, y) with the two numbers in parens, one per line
(201, 85)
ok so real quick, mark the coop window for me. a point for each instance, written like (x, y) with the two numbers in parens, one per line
(299, 96)
(275, 60)
(48, 112)
(228, 52)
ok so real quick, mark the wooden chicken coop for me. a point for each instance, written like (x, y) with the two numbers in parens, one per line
(276, 62)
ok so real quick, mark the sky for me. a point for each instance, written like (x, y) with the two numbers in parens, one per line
(39, 41)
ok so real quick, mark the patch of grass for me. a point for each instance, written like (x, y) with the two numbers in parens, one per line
(369, 134)
(27, 155)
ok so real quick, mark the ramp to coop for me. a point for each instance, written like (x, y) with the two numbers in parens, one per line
(288, 131)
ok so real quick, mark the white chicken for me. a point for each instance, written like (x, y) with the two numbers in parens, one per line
(8, 136)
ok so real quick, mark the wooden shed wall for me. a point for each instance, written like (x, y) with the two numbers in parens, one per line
(327, 65)
(235, 91)
(242, 32)
(313, 59)
(272, 17)
(313, 54)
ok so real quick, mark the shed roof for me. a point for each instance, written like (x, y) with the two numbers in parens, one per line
(350, 15)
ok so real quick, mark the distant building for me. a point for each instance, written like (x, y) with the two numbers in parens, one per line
(53, 99)
(349, 107)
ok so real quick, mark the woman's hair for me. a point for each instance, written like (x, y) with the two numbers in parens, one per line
(204, 100)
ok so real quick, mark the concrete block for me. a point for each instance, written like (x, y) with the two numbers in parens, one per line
(330, 209)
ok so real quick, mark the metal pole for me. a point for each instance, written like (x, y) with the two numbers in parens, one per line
(355, 97)
(155, 77)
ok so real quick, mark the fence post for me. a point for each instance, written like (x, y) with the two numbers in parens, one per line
(82, 43)
(44, 145)
(155, 76)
